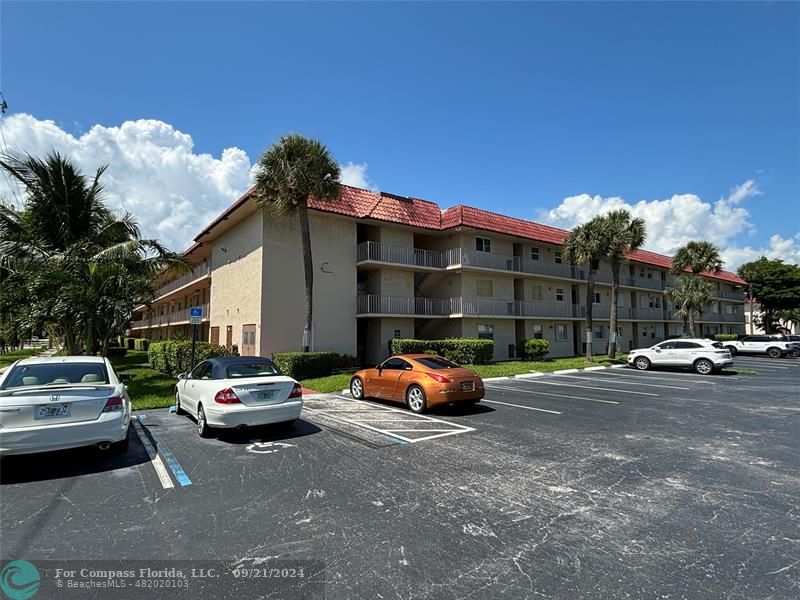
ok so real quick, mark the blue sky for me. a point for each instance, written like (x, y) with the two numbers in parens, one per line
(510, 107)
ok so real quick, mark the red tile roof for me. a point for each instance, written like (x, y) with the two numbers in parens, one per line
(415, 212)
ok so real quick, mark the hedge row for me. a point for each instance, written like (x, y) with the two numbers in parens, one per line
(174, 358)
(725, 337)
(116, 352)
(463, 351)
(533, 348)
(306, 365)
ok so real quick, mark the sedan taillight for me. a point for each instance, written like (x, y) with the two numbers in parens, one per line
(227, 396)
(439, 378)
(297, 391)
(114, 403)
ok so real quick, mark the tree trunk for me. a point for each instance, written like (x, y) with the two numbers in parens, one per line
(691, 323)
(612, 334)
(89, 340)
(308, 270)
(590, 309)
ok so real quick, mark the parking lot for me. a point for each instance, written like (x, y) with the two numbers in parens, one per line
(607, 483)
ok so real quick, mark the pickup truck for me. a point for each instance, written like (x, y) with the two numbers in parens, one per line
(760, 344)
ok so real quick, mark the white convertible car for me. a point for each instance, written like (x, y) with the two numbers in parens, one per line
(237, 391)
(62, 402)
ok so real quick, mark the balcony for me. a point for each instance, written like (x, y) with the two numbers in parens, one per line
(178, 317)
(399, 255)
(459, 306)
(199, 272)
(737, 295)
(460, 258)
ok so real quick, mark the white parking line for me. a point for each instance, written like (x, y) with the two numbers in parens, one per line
(587, 387)
(513, 389)
(616, 374)
(672, 387)
(155, 459)
(544, 410)
(374, 410)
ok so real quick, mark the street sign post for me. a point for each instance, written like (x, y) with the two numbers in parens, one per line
(195, 318)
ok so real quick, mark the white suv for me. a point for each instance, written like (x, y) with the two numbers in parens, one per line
(704, 356)
(772, 346)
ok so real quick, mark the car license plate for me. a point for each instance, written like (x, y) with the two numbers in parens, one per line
(267, 395)
(52, 411)
(467, 386)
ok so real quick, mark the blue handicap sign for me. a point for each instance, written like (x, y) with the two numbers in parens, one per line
(196, 311)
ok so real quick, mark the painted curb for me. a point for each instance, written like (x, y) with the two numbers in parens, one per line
(561, 371)
(528, 375)
(593, 368)
(618, 367)
(496, 378)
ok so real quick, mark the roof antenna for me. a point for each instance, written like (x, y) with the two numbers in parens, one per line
(3, 104)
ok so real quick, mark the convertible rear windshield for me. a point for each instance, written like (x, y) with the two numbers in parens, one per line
(56, 374)
(255, 369)
(437, 362)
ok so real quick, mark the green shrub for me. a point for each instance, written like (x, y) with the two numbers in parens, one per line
(116, 352)
(174, 358)
(130, 343)
(305, 365)
(345, 362)
(464, 351)
(141, 344)
(532, 349)
(725, 337)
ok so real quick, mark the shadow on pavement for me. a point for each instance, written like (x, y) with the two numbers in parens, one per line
(43, 466)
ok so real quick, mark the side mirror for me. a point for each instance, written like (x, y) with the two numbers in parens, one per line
(183, 376)
(125, 377)
(658, 349)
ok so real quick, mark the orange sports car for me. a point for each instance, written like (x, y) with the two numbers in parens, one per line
(419, 380)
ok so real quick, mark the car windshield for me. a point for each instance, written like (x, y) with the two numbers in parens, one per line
(437, 362)
(56, 374)
(253, 369)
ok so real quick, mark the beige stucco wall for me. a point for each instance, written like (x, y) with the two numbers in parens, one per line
(333, 242)
(557, 349)
(380, 331)
(502, 286)
(236, 279)
(397, 236)
(397, 282)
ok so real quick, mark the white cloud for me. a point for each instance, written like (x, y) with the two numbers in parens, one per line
(355, 174)
(153, 171)
(674, 221)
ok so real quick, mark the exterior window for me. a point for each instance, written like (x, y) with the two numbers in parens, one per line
(557, 257)
(537, 332)
(512, 351)
(620, 300)
(485, 288)
(596, 299)
(559, 295)
(483, 244)
(536, 293)
(599, 332)
(561, 332)
(534, 253)
(397, 334)
(486, 332)
(729, 309)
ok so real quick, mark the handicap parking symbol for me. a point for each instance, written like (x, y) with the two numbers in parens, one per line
(267, 447)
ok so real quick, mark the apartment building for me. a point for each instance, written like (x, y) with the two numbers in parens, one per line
(388, 266)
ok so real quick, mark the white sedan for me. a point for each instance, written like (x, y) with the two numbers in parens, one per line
(65, 402)
(237, 391)
(704, 356)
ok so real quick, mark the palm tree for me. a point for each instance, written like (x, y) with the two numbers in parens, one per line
(290, 172)
(698, 257)
(60, 248)
(691, 294)
(588, 244)
(624, 235)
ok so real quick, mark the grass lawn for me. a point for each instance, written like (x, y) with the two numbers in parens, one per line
(10, 357)
(336, 383)
(148, 388)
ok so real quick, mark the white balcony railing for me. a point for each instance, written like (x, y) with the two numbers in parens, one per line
(176, 317)
(198, 272)
(457, 305)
